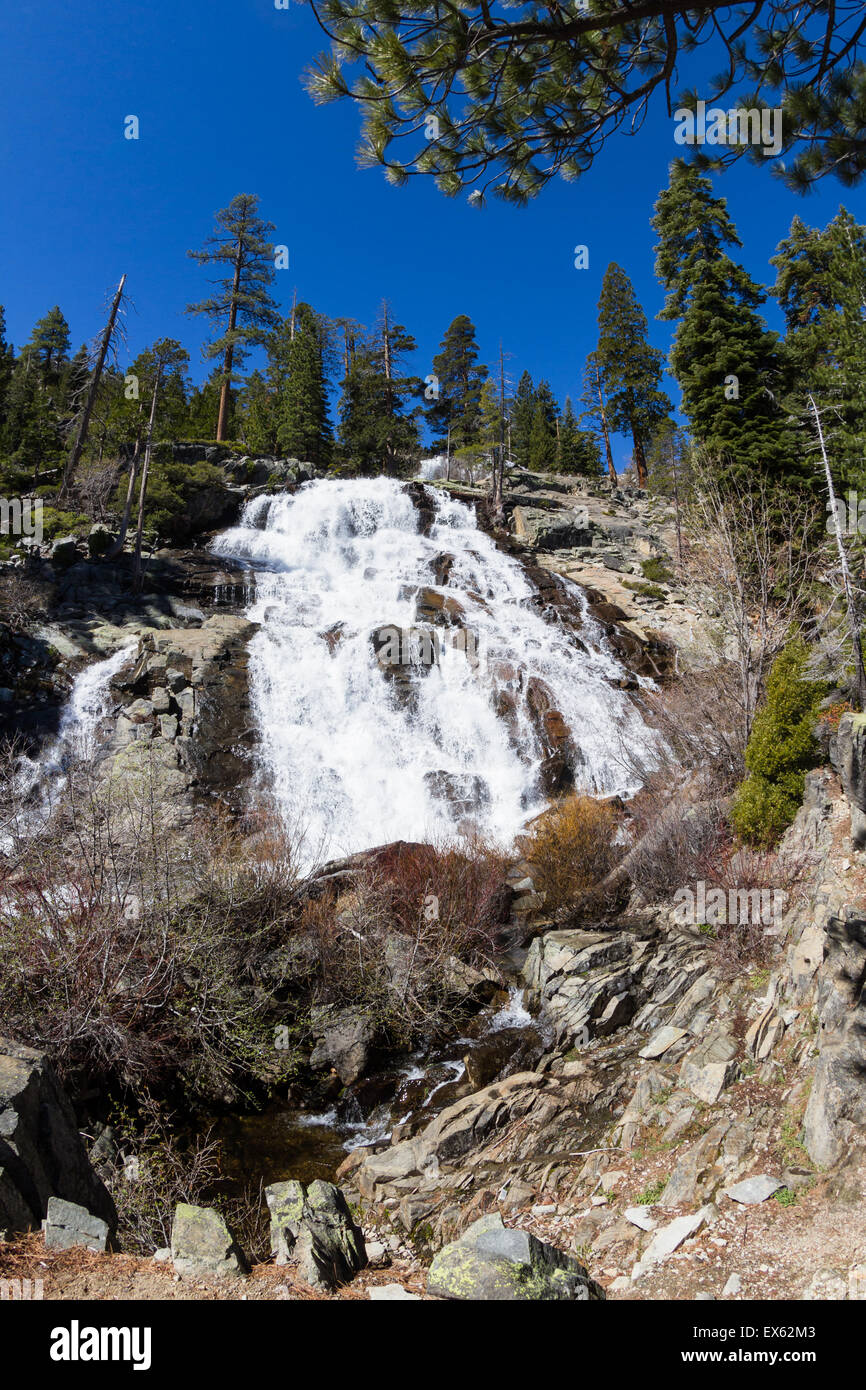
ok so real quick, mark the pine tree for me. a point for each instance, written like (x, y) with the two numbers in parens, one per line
(522, 414)
(595, 410)
(49, 346)
(578, 449)
(631, 367)
(378, 429)
(821, 287)
(7, 366)
(728, 364)
(455, 414)
(300, 358)
(243, 309)
(543, 436)
(32, 430)
(258, 412)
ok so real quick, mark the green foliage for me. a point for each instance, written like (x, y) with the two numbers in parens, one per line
(728, 364)
(656, 570)
(780, 751)
(378, 426)
(461, 378)
(651, 1193)
(503, 97)
(821, 287)
(173, 489)
(578, 450)
(631, 368)
(299, 354)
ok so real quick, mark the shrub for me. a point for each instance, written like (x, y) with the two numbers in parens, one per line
(781, 749)
(396, 941)
(174, 492)
(656, 570)
(571, 849)
(672, 846)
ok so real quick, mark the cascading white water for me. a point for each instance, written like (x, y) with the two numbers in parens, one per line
(349, 762)
(39, 781)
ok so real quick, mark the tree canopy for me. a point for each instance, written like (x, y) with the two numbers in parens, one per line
(504, 95)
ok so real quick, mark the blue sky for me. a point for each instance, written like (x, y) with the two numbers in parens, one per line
(216, 86)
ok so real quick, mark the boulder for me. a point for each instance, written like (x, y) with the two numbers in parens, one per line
(493, 1263)
(42, 1154)
(64, 552)
(315, 1228)
(344, 1041)
(202, 1244)
(100, 540)
(551, 529)
(68, 1225)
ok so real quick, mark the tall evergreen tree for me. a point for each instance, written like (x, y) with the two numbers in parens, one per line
(242, 311)
(378, 424)
(49, 346)
(258, 412)
(593, 398)
(578, 449)
(301, 355)
(728, 363)
(631, 367)
(543, 436)
(7, 365)
(455, 414)
(522, 414)
(821, 287)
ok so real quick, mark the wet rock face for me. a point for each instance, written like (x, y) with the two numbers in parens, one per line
(186, 705)
(344, 1041)
(41, 1151)
(560, 757)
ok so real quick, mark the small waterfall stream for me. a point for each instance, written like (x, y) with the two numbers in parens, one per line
(39, 781)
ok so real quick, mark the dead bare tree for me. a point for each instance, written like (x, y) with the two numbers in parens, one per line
(92, 388)
(752, 568)
(853, 616)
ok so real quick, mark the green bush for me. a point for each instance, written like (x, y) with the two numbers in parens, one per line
(656, 570)
(172, 493)
(781, 749)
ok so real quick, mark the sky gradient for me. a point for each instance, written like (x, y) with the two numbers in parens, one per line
(217, 90)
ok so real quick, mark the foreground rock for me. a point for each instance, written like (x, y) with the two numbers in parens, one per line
(315, 1228)
(42, 1155)
(68, 1225)
(202, 1244)
(489, 1262)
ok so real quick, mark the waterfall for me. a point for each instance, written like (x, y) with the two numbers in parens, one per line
(38, 781)
(350, 760)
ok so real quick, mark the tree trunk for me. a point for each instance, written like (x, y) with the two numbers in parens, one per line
(142, 494)
(603, 413)
(228, 360)
(84, 424)
(639, 457)
(853, 616)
